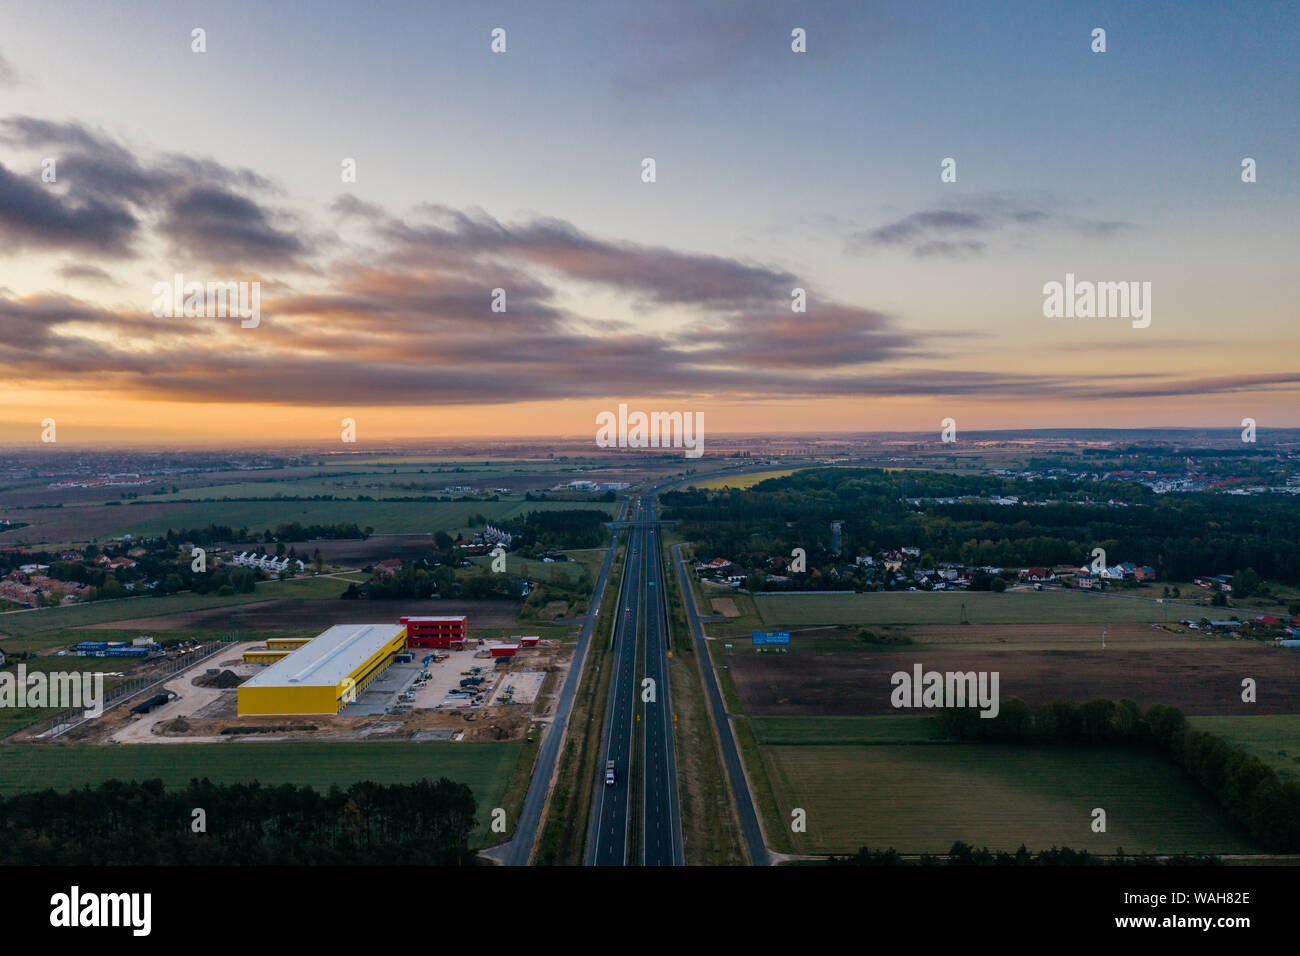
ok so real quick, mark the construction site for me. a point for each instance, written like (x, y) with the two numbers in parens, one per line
(352, 682)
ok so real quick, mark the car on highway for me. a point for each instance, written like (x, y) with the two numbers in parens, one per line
(609, 772)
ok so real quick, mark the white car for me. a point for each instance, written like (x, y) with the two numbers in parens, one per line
(609, 772)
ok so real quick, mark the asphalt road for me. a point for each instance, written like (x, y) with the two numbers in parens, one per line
(520, 846)
(758, 852)
(661, 835)
(608, 830)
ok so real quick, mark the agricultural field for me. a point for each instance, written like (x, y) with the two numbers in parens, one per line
(88, 522)
(386, 517)
(1199, 680)
(738, 481)
(31, 629)
(921, 798)
(484, 767)
(317, 615)
(981, 607)
(562, 572)
(807, 731)
(1032, 637)
(69, 525)
(1273, 739)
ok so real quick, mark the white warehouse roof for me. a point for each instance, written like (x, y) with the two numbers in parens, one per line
(326, 660)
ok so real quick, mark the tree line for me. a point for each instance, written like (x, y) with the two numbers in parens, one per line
(963, 854)
(144, 824)
(286, 531)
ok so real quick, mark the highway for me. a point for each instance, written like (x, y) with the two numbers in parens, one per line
(753, 833)
(520, 846)
(661, 834)
(641, 611)
(607, 833)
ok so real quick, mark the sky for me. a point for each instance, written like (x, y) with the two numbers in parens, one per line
(522, 171)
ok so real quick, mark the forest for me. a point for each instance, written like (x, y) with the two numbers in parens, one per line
(143, 824)
(1181, 535)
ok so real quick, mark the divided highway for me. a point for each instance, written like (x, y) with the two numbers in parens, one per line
(607, 833)
(640, 609)
(661, 840)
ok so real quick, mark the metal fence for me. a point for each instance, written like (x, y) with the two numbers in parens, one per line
(65, 720)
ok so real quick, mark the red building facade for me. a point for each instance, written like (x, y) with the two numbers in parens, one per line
(436, 632)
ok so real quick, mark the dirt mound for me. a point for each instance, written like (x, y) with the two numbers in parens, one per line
(224, 681)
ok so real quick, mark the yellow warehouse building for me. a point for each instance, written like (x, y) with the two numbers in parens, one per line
(325, 673)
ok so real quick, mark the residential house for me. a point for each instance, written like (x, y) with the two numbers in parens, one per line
(1037, 575)
(1222, 582)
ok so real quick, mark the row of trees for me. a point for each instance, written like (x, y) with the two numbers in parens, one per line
(410, 583)
(1249, 790)
(963, 854)
(286, 531)
(144, 824)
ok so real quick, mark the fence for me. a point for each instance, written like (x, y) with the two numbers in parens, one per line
(65, 720)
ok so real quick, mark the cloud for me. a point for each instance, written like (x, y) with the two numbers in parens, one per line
(324, 352)
(221, 226)
(34, 216)
(105, 200)
(86, 273)
(967, 227)
(655, 274)
(402, 316)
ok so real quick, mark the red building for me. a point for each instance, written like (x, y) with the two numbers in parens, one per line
(503, 650)
(439, 632)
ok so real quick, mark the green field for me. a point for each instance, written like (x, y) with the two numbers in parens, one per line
(807, 731)
(1274, 739)
(29, 624)
(982, 607)
(14, 719)
(921, 798)
(738, 481)
(563, 572)
(484, 767)
(386, 517)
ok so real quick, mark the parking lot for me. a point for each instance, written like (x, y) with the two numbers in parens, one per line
(433, 686)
